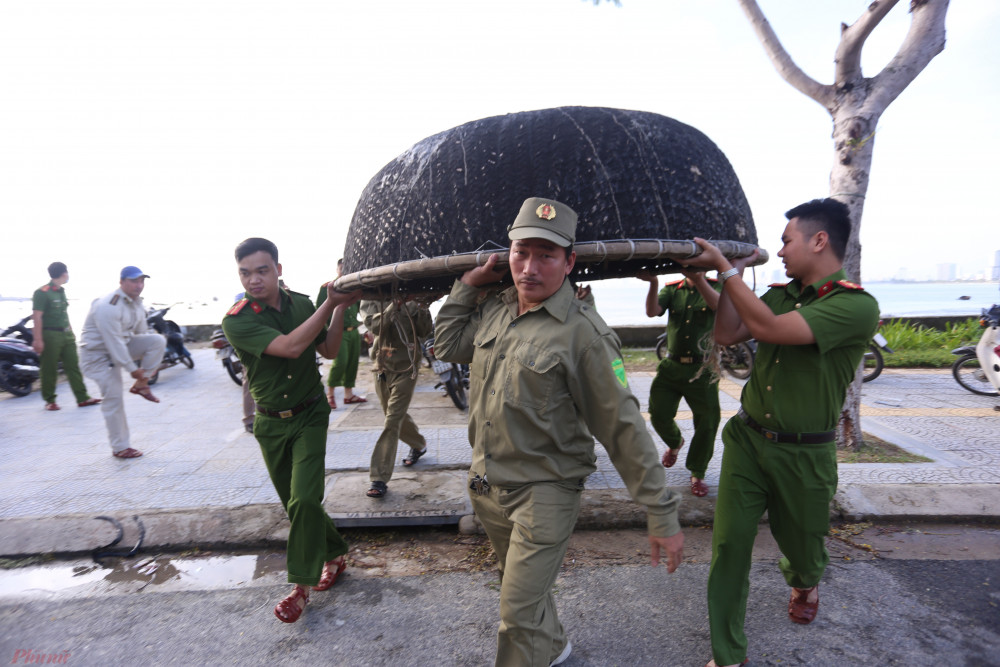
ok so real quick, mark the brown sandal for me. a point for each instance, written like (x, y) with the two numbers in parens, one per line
(289, 609)
(331, 570)
(146, 393)
(128, 454)
(698, 487)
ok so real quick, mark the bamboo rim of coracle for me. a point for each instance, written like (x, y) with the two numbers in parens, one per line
(658, 252)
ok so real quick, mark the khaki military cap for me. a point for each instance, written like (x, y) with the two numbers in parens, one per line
(544, 219)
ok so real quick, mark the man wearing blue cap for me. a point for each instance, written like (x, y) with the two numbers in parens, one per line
(115, 336)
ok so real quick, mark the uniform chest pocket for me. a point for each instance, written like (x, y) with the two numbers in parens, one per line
(531, 377)
(482, 354)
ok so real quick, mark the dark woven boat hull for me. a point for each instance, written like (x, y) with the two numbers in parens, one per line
(628, 174)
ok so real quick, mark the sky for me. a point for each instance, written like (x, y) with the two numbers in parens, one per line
(160, 134)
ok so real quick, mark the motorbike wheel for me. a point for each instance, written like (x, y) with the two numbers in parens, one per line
(456, 389)
(661, 348)
(187, 361)
(970, 374)
(874, 363)
(737, 360)
(235, 369)
(9, 380)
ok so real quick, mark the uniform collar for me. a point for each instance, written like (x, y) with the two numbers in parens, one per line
(283, 298)
(796, 289)
(557, 305)
(127, 298)
(54, 287)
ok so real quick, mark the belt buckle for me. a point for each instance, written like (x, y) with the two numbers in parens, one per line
(285, 414)
(769, 434)
(686, 360)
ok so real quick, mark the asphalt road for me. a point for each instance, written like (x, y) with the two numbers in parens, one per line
(917, 609)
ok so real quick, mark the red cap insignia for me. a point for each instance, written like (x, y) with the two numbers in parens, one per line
(546, 211)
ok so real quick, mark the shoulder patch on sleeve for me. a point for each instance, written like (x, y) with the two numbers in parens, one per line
(238, 306)
(114, 300)
(618, 366)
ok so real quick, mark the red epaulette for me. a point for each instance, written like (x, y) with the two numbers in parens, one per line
(45, 288)
(828, 287)
(676, 282)
(778, 285)
(238, 306)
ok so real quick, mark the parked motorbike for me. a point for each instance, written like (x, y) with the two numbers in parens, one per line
(175, 352)
(454, 377)
(978, 367)
(227, 355)
(873, 361)
(19, 365)
(736, 360)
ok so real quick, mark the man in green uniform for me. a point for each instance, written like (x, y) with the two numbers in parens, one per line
(780, 449)
(54, 340)
(399, 329)
(276, 334)
(546, 377)
(344, 370)
(691, 303)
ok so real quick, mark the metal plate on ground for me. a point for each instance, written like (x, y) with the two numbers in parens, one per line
(415, 498)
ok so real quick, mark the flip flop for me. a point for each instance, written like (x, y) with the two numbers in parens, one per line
(698, 487)
(146, 393)
(354, 399)
(331, 570)
(88, 402)
(670, 456)
(52, 406)
(128, 454)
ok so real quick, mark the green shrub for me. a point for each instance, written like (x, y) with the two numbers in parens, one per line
(916, 346)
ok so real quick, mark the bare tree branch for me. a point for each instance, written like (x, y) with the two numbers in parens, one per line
(786, 67)
(852, 41)
(923, 42)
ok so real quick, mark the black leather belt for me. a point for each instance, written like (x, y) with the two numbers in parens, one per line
(792, 438)
(56, 328)
(285, 414)
(685, 360)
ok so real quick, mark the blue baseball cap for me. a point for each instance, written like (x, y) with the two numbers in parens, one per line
(133, 272)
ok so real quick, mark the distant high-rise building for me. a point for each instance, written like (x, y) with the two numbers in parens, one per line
(946, 271)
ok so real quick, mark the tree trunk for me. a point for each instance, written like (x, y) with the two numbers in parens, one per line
(856, 103)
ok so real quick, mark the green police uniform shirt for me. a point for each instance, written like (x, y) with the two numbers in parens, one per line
(276, 383)
(689, 318)
(801, 388)
(51, 301)
(543, 384)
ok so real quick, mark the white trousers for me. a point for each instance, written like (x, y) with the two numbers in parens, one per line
(147, 350)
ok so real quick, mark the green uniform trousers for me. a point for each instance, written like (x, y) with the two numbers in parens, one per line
(294, 452)
(344, 371)
(61, 346)
(394, 391)
(529, 528)
(794, 483)
(671, 384)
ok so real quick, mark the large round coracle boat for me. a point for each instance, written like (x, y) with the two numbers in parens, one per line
(642, 184)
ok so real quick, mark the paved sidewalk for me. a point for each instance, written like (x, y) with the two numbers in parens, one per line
(201, 481)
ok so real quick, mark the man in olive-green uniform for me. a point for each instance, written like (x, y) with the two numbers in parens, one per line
(546, 377)
(691, 303)
(780, 449)
(54, 340)
(276, 334)
(344, 370)
(399, 328)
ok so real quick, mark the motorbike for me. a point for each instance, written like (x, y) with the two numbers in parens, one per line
(978, 366)
(19, 365)
(454, 377)
(175, 352)
(873, 360)
(736, 360)
(224, 352)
